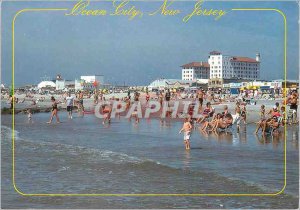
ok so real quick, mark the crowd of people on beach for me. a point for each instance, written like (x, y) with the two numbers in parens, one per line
(269, 122)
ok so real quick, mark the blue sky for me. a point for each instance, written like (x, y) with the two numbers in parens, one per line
(141, 50)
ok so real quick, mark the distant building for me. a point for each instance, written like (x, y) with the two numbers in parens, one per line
(202, 81)
(169, 83)
(58, 77)
(227, 66)
(195, 70)
(64, 84)
(280, 83)
(221, 67)
(89, 82)
(91, 79)
(220, 82)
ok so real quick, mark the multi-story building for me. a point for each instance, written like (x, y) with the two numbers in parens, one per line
(89, 82)
(195, 70)
(161, 84)
(91, 79)
(227, 67)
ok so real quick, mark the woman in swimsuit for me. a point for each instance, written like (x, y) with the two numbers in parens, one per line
(107, 113)
(54, 110)
(147, 99)
(244, 113)
(160, 98)
(207, 112)
(128, 103)
(262, 118)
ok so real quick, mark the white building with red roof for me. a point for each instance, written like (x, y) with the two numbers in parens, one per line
(227, 66)
(195, 70)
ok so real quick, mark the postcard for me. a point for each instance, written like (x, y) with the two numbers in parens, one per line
(141, 104)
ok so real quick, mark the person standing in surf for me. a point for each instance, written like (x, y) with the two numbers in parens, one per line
(29, 115)
(54, 111)
(80, 104)
(107, 113)
(187, 128)
(168, 97)
(70, 104)
(147, 98)
(293, 100)
(200, 96)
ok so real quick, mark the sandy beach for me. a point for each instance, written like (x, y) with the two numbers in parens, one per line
(43, 104)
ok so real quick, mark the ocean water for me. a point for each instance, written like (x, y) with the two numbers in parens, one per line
(83, 156)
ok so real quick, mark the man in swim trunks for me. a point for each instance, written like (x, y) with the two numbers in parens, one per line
(128, 94)
(168, 96)
(187, 128)
(293, 100)
(96, 96)
(136, 96)
(200, 97)
(80, 105)
(70, 104)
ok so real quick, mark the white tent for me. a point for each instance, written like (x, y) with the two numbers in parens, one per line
(44, 84)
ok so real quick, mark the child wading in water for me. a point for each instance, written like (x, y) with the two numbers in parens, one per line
(29, 115)
(187, 128)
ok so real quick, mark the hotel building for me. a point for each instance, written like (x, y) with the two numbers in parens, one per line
(195, 70)
(221, 68)
(227, 67)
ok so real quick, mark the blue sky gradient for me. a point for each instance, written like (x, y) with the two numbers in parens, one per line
(141, 50)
